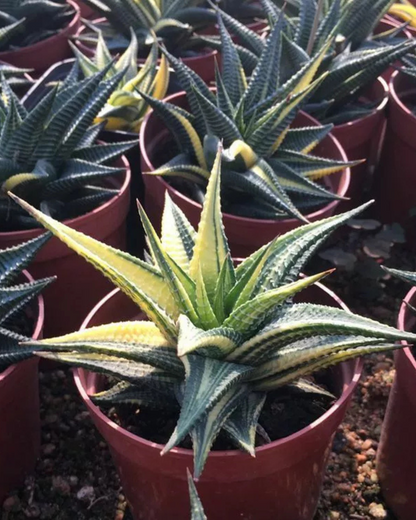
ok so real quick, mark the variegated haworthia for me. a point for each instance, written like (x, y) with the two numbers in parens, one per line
(219, 337)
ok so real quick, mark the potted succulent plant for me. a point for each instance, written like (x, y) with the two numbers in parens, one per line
(35, 34)
(396, 459)
(21, 315)
(269, 173)
(221, 342)
(352, 96)
(395, 201)
(174, 23)
(49, 155)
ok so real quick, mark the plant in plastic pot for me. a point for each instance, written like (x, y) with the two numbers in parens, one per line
(396, 458)
(50, 156)
(269, 172)
(395, 202)
(19, 401)
(125, 109)
(175, 24)
(221, 340)
(350, 96)
(38, 26)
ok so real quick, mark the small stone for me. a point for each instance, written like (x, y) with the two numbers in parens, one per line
(366, 445)
(360, 458)
(51, 419)
(48, 449)
(377, 511)
(61, 485)
(73, 480)
(86, 494)
(334, 515)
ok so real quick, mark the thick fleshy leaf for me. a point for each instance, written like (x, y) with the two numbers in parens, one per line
(138, 341)
(207, 381)
(216, 342)
(197, 510)
(140, 281)
(241, 425)
(211, 247)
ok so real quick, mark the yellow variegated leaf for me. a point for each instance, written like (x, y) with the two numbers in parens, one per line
(126, 332)
(140, 281)
(241, 149)
(211, 246)
(20, 178)
(162, 79)
(310, 72)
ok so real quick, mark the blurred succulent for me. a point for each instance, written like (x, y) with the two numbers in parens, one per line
(405, 11)
(173, 22)
(221, 339)
(49, 155)
(15, 295)
(268, 169)
(126, 108)
(15, 76)
(352, 63)
(244, 10)
(25, 22)
(406, 276)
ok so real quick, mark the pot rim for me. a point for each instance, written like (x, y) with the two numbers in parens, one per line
(395, 96)
(84, 48)
(37, 47)
(344, 397)
(37, 328)
(379, 108)
(401, 325)
(344, 183)
(25, 234)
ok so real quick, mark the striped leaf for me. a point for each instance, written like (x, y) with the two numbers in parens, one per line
(207, 381)
(211, 247)
(197, 511)
(141, 282)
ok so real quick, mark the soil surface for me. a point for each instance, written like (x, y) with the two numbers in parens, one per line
(75, 478)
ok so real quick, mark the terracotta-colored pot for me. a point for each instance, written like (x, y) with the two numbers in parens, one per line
(203, 64)
(79, 286)
(86, 11)
(363, 139)
(396, 175)
(283, 481)
(42, 55)
(396, 459)
(245, 235)
(19, 413)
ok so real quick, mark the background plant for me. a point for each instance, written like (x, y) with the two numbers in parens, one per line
(352, 62)
(268, 169)
(173, 22)
(16, 325)
(49, 155)
(126, 108)
(221, 339)
(26, 22)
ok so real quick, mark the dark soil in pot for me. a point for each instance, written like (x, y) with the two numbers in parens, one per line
(283, 414)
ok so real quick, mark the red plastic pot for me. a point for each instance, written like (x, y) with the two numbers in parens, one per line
(396, 175)
(396, 459)
(283, 481)
(19, 414)
(42, 55)
(203, 64)
(86, 11)
(79, 286)
(363, 139)
(245, 235)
